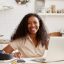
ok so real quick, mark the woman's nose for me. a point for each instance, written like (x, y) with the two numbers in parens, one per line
(32, 24)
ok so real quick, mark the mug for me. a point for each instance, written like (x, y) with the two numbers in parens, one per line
(1, 51)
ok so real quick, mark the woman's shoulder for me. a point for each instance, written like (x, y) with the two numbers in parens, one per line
(17, 42)
(20, 39)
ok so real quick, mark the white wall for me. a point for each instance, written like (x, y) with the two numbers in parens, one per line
(55, 23)
(9, 19)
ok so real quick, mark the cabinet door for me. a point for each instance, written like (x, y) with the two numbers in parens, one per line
(39, 6)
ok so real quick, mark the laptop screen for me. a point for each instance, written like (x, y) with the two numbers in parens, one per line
(56, 48)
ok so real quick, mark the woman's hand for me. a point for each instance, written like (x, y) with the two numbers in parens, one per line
(18, 55)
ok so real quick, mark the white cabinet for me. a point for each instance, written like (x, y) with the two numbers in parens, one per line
(39, 6)
(49, 7)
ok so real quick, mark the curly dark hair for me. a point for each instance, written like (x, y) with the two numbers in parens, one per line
(22, 29)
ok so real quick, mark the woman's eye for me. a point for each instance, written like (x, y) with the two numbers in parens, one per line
(35, 22)
(28, 23)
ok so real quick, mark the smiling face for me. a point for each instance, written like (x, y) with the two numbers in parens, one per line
(33, 25)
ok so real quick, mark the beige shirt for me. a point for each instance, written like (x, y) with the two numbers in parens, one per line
(26, 46)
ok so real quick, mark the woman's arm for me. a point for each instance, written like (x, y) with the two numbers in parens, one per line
(8, 49)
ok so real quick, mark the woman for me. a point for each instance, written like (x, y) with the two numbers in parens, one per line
(30, 38)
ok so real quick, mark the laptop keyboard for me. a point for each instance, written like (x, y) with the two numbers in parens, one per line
(39, 60)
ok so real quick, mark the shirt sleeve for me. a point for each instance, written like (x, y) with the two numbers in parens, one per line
(14, 44)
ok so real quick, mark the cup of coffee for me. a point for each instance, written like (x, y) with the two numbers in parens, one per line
(1, 51)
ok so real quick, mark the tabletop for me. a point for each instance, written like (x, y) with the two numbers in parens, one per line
(28, 61)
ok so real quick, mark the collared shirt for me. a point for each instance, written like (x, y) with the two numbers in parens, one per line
(27, 47)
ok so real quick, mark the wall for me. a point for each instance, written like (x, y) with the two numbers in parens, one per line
(9, 19)
(55, 23)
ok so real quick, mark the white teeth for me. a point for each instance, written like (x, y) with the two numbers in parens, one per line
(33, 29)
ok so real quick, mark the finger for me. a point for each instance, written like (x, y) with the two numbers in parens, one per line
(19, 55)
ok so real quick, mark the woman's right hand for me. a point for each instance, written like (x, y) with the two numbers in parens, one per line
(18, 55)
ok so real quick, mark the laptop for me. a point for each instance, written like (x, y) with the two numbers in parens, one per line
(55, 50)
